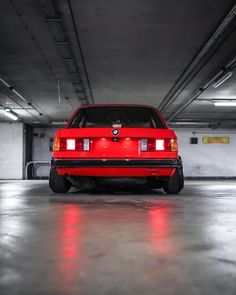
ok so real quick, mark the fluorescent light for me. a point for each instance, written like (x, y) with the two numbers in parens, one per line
(22, 97)
(58, 123)
(225, 104)
(9, 114)
(5, 83)
(222, 79)
(189, 123)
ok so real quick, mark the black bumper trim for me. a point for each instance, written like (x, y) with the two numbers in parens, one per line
(82, 163)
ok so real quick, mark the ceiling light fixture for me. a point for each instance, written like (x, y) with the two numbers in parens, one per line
(225, 104)
(58, 123)
(10, 114)
(188, 123)
(22, 97)
(222, 79)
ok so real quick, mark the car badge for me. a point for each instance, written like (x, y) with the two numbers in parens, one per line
(115, 132)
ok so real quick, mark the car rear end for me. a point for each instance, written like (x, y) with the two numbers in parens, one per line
(116, 142)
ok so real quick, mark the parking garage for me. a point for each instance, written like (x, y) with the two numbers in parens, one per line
(176, 56)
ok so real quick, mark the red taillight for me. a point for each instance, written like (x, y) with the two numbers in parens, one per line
(151, 145)
(147, 145)
(74, 144)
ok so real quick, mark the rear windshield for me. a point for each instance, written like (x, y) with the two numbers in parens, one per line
(116, 117)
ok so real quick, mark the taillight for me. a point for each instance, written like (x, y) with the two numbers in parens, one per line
(147, 144)
(174, 145)
(56, 144)
(86, 144)
(160, 145)
(151, 145)
(71, 144)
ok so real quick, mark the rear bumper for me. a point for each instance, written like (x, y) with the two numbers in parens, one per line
(116, 168)
(127, 163)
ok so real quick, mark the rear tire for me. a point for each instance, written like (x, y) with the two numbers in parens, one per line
(175, 183)
(57, 183)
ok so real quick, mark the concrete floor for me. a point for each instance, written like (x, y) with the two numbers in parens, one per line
(148, 243)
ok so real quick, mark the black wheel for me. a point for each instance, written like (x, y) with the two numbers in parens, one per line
(57, 183)
(175, 183)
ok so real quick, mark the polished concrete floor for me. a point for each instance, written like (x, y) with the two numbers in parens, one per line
(147, 243)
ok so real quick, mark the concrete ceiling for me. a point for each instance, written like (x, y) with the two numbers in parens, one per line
(163, 53)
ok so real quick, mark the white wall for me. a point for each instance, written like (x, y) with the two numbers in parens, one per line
(11, 150)
(207, 159)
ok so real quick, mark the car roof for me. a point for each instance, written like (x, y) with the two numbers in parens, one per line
(116, 105)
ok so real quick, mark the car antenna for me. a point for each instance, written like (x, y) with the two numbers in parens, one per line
(59, 99)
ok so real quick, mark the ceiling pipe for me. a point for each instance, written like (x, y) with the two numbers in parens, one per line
(215, 99)
(222, 79)
(186, 77)
(28, 110)
(203, 123)
(21, 97)
(185, 105)
(56, 22)
(37, 46)
(227, 68)
(80, 50)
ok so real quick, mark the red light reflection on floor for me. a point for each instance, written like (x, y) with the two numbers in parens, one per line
(160, 231)
(68, 246)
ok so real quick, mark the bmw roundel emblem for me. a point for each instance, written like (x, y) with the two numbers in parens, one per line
(115, 132)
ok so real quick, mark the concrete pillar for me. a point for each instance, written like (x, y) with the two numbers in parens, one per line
(11, 150)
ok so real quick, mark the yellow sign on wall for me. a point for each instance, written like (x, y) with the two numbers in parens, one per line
(224, 140)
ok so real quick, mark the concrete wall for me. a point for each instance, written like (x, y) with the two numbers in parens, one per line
(41, 150)
(11, 150)
(207, 159)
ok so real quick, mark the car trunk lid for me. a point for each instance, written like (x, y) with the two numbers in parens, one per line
(114, 142)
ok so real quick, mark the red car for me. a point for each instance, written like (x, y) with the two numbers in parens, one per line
(116, 146)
